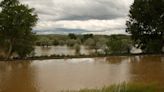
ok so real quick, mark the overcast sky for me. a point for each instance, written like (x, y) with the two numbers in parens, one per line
(80, 16)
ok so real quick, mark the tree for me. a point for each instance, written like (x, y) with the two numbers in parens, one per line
(90, 42)
(96, 43)
(55, 42)
(77, 48)
(44, 41)
(146, 24)
(72, 36)
(16, 23)
(72, 42)
(85, 37)
(118, 45)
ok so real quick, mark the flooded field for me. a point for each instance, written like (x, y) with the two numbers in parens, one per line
(65, 50)
(73, 74)
(60, 50)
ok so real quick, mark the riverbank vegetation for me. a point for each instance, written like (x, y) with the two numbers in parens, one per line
(146, 24)
(107, 44)
(100, 44)
(16, 23)
(125, 88)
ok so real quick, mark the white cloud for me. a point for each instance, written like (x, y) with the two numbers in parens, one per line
(80, 9)
(91, 25)
(106, 32)
(92, 16)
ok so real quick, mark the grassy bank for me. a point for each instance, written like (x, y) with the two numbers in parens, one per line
(125, 88)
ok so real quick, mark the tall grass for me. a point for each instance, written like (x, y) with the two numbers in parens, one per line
(125, 88)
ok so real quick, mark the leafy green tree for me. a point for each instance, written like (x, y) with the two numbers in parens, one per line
(44, 41)
(85, 37)
(16, 23)
(90, 42)
(72, 36)
(146, 24)
(72, 42)
(55, 42)
(96, 43)
(77, 48)
(118, 45)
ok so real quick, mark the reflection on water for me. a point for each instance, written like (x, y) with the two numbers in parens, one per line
(77, 74)
(63, 74)
(147, 69)
(17, 77)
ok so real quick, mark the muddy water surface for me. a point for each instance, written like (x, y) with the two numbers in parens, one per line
(73, 74)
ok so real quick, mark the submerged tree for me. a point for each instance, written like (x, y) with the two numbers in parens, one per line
(16, 23)
(146, 24)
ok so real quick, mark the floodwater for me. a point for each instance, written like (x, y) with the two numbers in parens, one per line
(73, 74)
(65, 50)
(60, 50)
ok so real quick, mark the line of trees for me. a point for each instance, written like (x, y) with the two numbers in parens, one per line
(114, 44)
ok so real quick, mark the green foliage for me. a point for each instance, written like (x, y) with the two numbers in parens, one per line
(72, 42)
(16, 23)
(51, 40)
(94, 42)
(90, 42)
(153, 46)
(77, 48)
(118, 45)
(146, 24)
(125, 88)
(55, 42)
(25, 45)
(72, 36)
(43, 41)
(86, 36)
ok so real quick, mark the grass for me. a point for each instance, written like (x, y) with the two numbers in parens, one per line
(125, 88)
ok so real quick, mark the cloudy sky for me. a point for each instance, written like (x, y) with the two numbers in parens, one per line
(80, 16)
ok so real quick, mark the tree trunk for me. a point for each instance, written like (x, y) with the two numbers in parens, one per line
(9, 52)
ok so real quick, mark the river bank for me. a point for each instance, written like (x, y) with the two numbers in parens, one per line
(126, 88)
(76, 56)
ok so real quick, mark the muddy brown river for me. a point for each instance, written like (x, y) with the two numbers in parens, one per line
(73, 74)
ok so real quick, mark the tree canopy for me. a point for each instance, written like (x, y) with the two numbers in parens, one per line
(118, 45)
(16, 23)
(146, 24)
